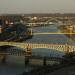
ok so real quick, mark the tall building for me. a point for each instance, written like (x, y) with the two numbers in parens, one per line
(0, 29)
(0, 25)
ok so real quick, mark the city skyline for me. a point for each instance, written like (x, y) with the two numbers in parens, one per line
(37, 6)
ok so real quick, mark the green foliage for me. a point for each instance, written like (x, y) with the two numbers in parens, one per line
(69, 57)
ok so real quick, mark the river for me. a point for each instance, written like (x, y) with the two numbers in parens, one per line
(15, 64)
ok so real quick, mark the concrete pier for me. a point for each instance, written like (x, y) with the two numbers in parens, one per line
(3, 59)
(26, 61)
(44, 61)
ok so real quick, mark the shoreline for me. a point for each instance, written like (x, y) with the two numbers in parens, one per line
(63, 29)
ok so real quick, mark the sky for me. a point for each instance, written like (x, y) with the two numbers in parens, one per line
(37, 6)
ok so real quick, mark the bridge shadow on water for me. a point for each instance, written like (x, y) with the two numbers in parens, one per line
(39, 52)
(15, 64)
(47, 52)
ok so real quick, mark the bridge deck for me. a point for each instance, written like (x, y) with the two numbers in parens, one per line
(52, 33)
(24, 46)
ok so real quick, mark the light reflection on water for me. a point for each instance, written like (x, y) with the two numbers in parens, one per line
(55, 39)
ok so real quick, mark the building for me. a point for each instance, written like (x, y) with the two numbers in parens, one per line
(0, 29)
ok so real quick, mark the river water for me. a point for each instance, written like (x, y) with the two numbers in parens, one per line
(15, 64)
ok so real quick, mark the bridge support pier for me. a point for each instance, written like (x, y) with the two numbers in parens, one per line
(44, 61)
(3, 59)
(26, 61)
(28, 53)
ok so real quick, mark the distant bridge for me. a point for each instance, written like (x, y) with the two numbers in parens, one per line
(38, 24)
(44, 33)
(53, 21)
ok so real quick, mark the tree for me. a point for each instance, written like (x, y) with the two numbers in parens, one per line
(69, 57)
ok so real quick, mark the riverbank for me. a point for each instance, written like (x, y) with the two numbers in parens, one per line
(64, 29)
(15, 32)
(48, 70)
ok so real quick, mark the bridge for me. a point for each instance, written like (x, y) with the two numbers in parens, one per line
(55, 33)
(39, 24)
(27, 50)
(58, 47)
(50, 21)
(42, 24)
(53, 21)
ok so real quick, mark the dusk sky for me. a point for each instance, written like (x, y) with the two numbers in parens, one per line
(37, 6)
